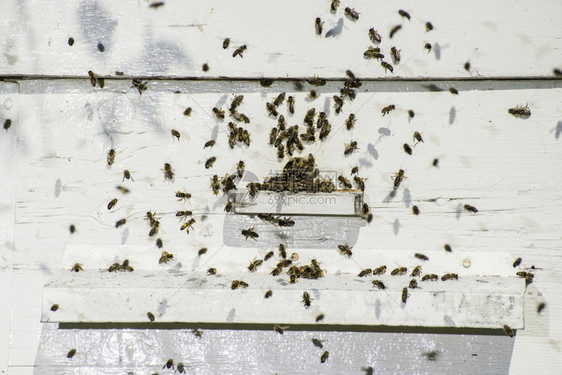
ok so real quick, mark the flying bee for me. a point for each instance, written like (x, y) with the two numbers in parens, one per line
(404, 14)
(268, 294)
(306, 299)
(72, 228)
(345, 250)
(282, 251)
(318, 25)
(7, 124)
(150, 316)
(209, 163)
(418, 137)
(355, 170)
(210, 143)
(350, 147)
(266, 82)
(428, 26)
(211, 271)
(166, 257)
(374, 36)
(413, 284)
(517, 262)
(183, 196)
(159, 243)
(291, 104)
(430, 277)
(415, 210)
(271, 109)
(435, 162)
(470, 208)
(338, 103)
(350, 121)
(175, 134)
(250, 233)
(77, 267)
(379, 271)
(54, 307)
(520, 111)
(205, 67)
(219, 113)
(120, 222)
(169, 364)
(352, 14)
(467, 66)
(268, 256)
(453, 91)
(508, 331)
(110, 157)
(313, 94)
(398, 179)
(395, 53)
(127, 175)
(277, 328)
(334, 5)
(181, 366)
(324, 356)
(404, 295)
(187, 111)
(411, 115)
(240, 51)
(168, 174)
(407, 148)
(386, 110)
(202, 251)
(399, 271)
(344, 182)
(540, 307)
(379, 284)
(394, 30)
(449, 276)
(421, 256)
(225, 43)
(71, 353)
(317, 343)
(140, 85)
(416, 271)
(427, 46)
(253, 267)
(447, 247)
(365, 272)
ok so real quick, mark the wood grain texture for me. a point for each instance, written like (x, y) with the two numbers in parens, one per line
(509, 168)
(503, 39)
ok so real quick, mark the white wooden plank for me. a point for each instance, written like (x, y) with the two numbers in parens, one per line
(507, 39)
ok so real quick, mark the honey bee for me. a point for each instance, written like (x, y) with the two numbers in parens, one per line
(435, 162)
(210, 143)
(241, 117)
(211, 271)
(279, 99)
(154, 229)
(159, 243)
(276, 271)
(517, 262)
(528, 276)
(291, 104)
(281, 151)
(71, 353)
(344, 182)
(352, 14)
(183, 214)
(319, 317)
(187, 112)
(271, 109)
(209, 163)
(386, 110)
(114, 267)
(427, 46)
(374, 36)
(125, 266)
(520, 111)
(127, 175)
(334, 5)
(250, 233)
(418, 137)
(93, 78)
(313, 94)
(72, 228)
(350, 121)
(540, 307)
(449, 276)
(395, 53)
(345, 250)
(413, 284)
(404, 295)
(238, 284)
(324, 356)
(508, 331)
(120, 222)
(407, 148)
(219, 113)
(285, 222)
(365, 272)
(284, 263)
(240, 51)
(282, 251)
(411, 115)
(430, 277)
(447, 247)
(205, 67)
(398, 179)
(110, 157)
(394, 30)
(166, 257)
(151, 217)
(470, 208)
(399, 271)
(379, 271)
(169, 364)
(416, 271)
(467, 66)
(428, 26)
(77, 267)
(404, 14)
(277, 328)
(318, 25)
(254, 265)
(338, 104)
(453, 90)
(54, 307)
(317, 343)
(379, 284)
(7, 124)
(183, 196)
(415, 210)
(140, 85)
(350, 147)
(225, 43)
(150, 316)
(306, 299)
(175, 134)
(202, 251)
(347, 92)
(168, 174)
(181, 367)
(373, 53)
(365, 209)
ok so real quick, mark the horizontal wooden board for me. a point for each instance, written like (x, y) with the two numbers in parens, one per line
(499, 39)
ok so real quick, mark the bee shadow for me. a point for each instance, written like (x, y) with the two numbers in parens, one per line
(336, 30)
